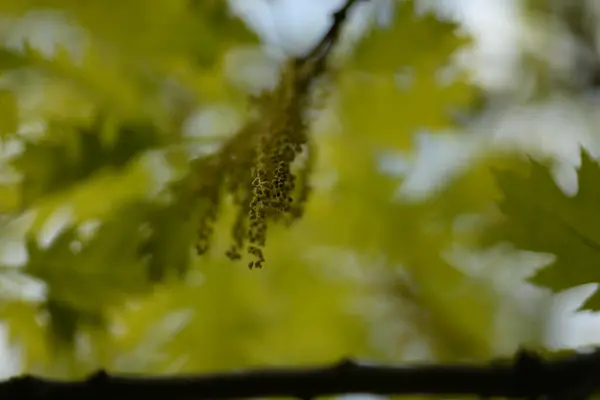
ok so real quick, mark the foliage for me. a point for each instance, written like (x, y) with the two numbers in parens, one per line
(540, 217)
(130, 222)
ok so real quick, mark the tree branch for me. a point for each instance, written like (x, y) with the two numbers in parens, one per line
(528, 376)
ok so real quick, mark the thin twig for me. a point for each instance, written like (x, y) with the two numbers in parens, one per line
(315, 61)
(332, 35)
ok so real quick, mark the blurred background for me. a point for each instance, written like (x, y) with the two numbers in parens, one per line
(105, 106)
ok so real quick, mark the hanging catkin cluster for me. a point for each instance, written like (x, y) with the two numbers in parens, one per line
(255, 168)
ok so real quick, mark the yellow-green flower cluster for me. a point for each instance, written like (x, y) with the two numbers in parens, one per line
(255, 168)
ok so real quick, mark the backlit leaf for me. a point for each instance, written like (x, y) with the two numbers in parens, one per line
(539, 217)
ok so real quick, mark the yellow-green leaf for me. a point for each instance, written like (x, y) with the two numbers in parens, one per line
(9, 113)
(409, 39)
(399, 80)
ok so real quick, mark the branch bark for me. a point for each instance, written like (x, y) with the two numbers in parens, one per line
(527, 376)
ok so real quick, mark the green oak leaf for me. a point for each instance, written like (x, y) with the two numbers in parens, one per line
(540, 217)
(399, 80)
(85, 277)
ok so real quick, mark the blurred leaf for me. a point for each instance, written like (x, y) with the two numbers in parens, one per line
(363, 214)
(119, 55)
(9, 113)
(408, 38)
(164, 29)
(110, 83)
(87, 274)
(25, 330)
(87, 277)
(10, 198)
(67, 156)
(377, 108)
(244, 319)
(169, 243)
(540, 217)
(228, 30)
(400, 81)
